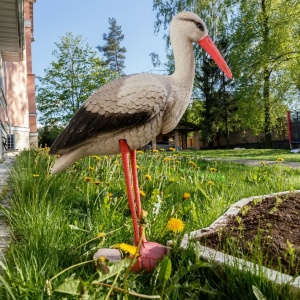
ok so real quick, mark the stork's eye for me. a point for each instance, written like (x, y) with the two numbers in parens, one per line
(200, 26)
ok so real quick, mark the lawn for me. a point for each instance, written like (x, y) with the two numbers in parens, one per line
(255, 154)
(59, 222)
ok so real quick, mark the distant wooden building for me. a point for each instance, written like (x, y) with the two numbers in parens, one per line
(184, 136)
(293, 119)
(187, 136)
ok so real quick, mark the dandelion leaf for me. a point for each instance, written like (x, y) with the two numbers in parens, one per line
(70, 286)
(114, 269)
(165, 270)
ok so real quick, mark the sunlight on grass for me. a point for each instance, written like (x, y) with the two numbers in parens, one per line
(256, 154)
(60, 221)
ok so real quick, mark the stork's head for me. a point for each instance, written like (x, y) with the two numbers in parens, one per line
(193, 28)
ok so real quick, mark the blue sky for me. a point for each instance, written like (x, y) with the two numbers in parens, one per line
(53, 18)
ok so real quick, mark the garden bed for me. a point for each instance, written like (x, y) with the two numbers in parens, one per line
(259, 234)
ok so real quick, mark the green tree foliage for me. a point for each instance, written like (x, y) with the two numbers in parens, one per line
(48, 134)
(217, 111)
(265, 42)
(112, 50)
(260, 40)
(74, 74)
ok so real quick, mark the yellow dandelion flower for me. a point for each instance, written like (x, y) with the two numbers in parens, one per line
(175, 225)
(96, 157)
(279, 159)
(148, 177)
(172, 149)
(212, 170)
(102, 259)
(142, 193)
(143, 218)
(186, 196)
(210, 182)
(177, 161)
(140, 152)
(91, 169)
(101, 235)
(137, 167)
(106, 157)
(110, 195)
(88, 179)
(167, 159)
(144, 214)
(128, 249)
(35, 175)
(155, 151)
(162, 149)
(97, 182)
(192, 164)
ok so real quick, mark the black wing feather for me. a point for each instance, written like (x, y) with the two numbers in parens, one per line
(85, 125)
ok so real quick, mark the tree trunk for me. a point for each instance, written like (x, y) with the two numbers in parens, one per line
(227, 130)
(184, 140)
(267, 109)
(266, 80)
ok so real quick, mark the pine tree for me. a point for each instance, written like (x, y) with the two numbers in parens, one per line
(112, 50)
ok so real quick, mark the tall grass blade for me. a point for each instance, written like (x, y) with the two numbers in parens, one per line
(7, 287)
(258, 294)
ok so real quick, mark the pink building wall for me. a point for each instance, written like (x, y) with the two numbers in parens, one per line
(33, 136)
(19, 90)
(16, 93)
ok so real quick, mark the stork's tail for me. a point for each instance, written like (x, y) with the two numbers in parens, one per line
(66, 160)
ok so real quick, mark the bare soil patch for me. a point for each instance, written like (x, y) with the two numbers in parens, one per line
(265, 231)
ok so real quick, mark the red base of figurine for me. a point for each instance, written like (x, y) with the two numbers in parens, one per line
(151, 254)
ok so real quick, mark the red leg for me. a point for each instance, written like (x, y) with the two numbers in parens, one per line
(125, 160)
(136, 188)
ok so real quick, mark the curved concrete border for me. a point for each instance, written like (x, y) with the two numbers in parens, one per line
(222, 258)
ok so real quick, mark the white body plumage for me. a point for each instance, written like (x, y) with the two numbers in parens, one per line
(134, 108)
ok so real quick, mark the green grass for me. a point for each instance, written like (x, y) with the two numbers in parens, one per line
(256, 154)
(56, 221)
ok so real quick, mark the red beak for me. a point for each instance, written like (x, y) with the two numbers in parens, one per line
(208, 45)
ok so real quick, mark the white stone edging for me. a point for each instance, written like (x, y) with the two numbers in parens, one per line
(221, 258)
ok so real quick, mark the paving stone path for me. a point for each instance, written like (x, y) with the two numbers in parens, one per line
(5, 167)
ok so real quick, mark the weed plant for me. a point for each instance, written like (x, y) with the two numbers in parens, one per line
(58, 222)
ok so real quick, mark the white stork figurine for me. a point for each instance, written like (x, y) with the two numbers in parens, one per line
(129, 112)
